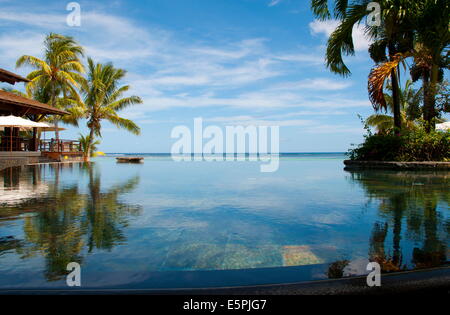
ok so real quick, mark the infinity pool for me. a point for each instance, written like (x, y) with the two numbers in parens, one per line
(164, 224)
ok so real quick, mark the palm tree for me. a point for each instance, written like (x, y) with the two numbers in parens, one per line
(57, 76)
(421, 70)
(72, 219)
(411, 207)
(103, 98)
(88, 146)
(432, 20)
(410, 100)
(443, 97)
(105, 214)
(392, 37)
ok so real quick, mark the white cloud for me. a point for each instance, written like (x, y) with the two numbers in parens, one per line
(116, 38)
(168, 73)
(273, 3)
(310, 59)
(12, 46)
(112, 38)
(203, 73)
(102, 34)
(240, 50)
(259, 101)
(317, 84)
(327, 28)
(323, 27)
(180, 80)
(323, 84)
(333, 129)
(312, 113)
(255, 121)
(280, 120)
(247, 120)
(34, 19)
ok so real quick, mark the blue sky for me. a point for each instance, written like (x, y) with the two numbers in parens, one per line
(227, 61)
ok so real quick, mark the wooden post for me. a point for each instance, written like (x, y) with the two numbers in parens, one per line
(34, 146)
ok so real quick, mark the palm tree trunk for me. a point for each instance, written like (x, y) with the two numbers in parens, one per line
(53, 103)
(426, 101)
(57, 134)
(396, 103)
(395, 95)
(87, 157)
(430, 81)
(398, 206)
(430, 108)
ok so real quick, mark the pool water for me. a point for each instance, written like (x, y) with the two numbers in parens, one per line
(164, 224)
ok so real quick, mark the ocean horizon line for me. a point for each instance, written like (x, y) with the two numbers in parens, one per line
(281, 153)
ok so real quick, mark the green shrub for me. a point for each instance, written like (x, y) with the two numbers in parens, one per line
(411, 146)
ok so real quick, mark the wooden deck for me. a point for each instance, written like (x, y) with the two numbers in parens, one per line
(64, 156)
(19, 154)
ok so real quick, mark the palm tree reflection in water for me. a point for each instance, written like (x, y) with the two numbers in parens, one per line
(67, 220)
(410, 200)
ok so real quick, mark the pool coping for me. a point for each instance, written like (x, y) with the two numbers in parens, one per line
(397, 165)
(435, 280)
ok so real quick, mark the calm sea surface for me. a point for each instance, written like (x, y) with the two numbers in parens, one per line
(164, 224)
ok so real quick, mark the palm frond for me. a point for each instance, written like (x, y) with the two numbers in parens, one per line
(377, 79)
(377, 51)
(125, 102)
(382, 123)
(73, 65)
(33, 62)
(320, 9)
(340, 9)
(126, 124)
(341, 40)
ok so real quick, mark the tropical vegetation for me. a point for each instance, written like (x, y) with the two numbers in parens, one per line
(405, 32)
(405, 39)
(79, 219)
(104, 97)
(88, 146)
(410, 146)
(57, 76)
(412, 35)
(410, 100)
(409, 209)
(59, 80)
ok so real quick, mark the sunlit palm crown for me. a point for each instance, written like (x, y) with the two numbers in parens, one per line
(61, 68)
(103, 97)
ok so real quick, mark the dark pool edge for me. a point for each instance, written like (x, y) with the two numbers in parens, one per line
(413, 166)
(429, 281)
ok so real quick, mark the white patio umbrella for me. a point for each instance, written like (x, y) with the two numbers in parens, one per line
(444, 126)
(51, 127)
(18, 122)
(14, 121)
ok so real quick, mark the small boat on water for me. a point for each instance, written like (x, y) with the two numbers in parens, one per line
(130, 159)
